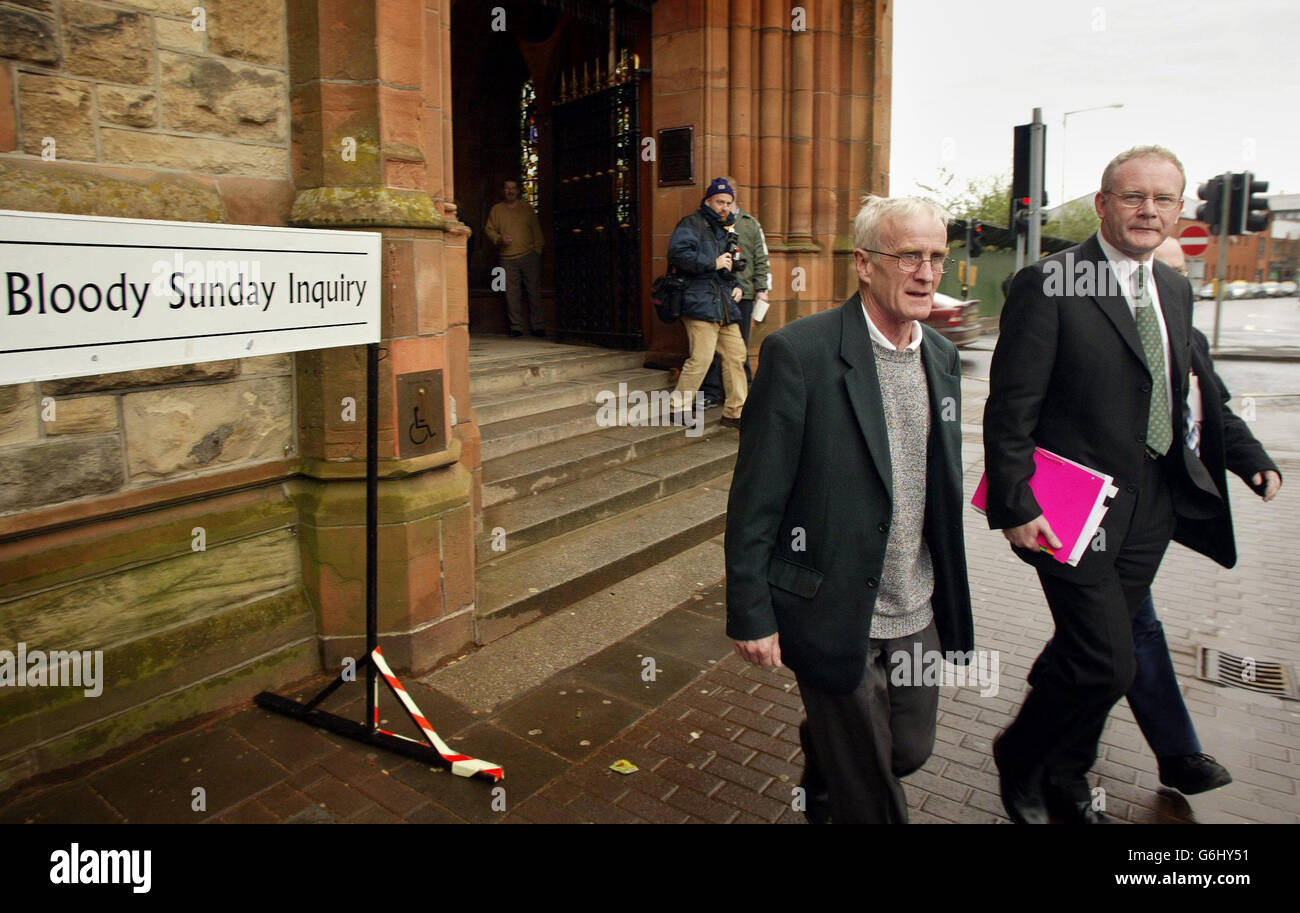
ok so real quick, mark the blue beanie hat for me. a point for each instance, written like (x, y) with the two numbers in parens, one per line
(718, 186)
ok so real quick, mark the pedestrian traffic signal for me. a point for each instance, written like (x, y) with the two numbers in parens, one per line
(1249, 213)
(976, 242)
(1211, 211)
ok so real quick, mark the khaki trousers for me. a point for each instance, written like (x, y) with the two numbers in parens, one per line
(705, 339)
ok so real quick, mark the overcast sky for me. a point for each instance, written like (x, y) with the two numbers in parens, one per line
(1216, 82)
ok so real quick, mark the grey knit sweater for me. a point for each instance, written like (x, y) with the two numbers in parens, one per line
(907, 581)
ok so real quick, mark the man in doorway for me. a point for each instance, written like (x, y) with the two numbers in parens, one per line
(512, 225)
(844, 543)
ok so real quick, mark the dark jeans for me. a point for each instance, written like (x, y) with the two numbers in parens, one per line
(1154, 698)
(712, 385)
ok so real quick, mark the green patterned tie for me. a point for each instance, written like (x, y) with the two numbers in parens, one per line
(1160, 433)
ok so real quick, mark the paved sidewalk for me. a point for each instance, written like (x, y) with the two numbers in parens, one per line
(716, 740)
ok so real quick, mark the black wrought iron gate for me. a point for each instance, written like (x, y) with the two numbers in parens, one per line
(597, 210)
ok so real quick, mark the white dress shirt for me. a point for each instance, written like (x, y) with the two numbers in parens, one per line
(888, 343)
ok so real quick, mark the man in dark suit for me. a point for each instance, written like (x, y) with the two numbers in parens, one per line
(1091, 363)
(844, 538)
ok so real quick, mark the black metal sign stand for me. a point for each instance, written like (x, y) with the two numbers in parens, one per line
(433, 751)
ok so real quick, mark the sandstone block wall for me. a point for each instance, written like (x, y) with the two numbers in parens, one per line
(146, 513)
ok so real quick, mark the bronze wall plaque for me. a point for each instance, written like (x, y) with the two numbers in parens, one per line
(420, 414)
(676, 156)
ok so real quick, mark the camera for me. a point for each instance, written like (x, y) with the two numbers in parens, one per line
(737, 259)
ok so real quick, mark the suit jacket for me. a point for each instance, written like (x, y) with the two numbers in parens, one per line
(1069, 375)
(810, 502)
(1226, 443)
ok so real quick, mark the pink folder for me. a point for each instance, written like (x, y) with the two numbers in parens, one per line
(1073, 499)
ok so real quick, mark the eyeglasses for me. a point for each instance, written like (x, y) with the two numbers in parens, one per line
(910, 261)
(1164, 202)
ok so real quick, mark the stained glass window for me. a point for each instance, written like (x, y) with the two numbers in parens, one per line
(528, 144)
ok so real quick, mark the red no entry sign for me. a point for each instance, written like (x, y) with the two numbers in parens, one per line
(1194, 239)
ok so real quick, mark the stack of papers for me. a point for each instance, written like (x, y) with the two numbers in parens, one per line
(1073, 499)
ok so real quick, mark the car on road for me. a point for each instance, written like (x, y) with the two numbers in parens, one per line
(1207, 290)
(1238, 288)
(958, 321)
(1270, 289)
(1288, 288)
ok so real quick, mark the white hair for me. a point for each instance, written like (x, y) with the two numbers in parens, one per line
(876, 211)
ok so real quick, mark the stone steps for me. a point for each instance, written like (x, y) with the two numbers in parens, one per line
(511, 435)
(597, 495)
(581, 505)
(526, 584)
(532, 399)
(528, 472)
(504, 372)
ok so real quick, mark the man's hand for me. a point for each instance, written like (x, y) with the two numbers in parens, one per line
(1026, 535)
(764, 652)
(761, 296)
(506, 239)
(735, 294)
(1271, 481)
(723, 261)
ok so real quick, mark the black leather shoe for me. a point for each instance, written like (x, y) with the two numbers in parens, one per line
(1069, 807)
(540, 334)
(515, 334)
(817, 799)
(727, 422)
(1193, 773)
(1022, 795)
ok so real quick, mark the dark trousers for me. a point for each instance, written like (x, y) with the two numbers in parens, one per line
(712, 385)
(859, 744)
(1154, 697)
(1090, 663)
(524, 273)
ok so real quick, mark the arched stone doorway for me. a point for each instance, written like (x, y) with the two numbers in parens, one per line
(587, 183)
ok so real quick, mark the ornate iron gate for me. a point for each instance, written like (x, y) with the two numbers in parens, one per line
(597, 208)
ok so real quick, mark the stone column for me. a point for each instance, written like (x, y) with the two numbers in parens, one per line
(799, 226)
(372, 150)
(771, 117)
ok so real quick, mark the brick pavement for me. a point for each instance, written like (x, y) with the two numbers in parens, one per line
(716, 740)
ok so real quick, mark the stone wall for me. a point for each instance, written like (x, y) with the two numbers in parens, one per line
(147, 513)
(792, 101)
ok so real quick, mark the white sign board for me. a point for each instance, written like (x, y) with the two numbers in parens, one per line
(85, 295)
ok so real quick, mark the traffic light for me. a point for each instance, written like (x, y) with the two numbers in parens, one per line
(1019, 214)
(1249, 213)
(1211, 211)
(976, 238)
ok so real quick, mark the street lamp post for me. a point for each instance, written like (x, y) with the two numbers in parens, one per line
(1064, 126)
